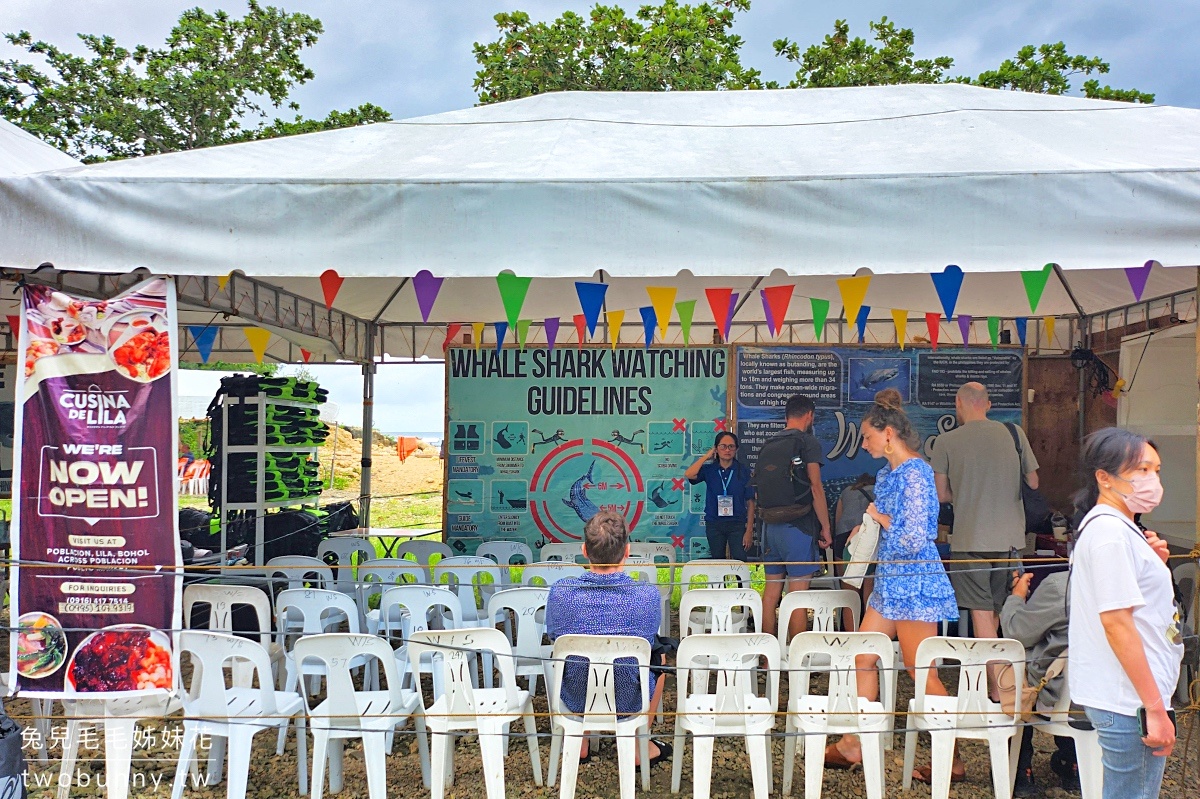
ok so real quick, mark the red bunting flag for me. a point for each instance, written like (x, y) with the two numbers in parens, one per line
(14, 324)
(331, 284)
(580, 328)
(777, 298)
(933, 321)
(719, 304)
(451, 331)
(305, 354)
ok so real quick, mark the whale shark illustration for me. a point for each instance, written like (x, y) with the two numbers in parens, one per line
(579, 501)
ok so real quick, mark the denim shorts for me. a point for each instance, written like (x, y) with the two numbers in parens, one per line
(1131, 769)
(787, 542)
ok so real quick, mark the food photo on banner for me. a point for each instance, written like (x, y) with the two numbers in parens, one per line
(843, 381)
(94, 491)
(539, 440)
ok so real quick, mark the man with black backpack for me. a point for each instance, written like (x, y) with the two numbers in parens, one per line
(793, 509)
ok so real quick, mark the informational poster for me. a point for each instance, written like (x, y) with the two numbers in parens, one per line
(538, 440)
(843, 381)
(96, 537)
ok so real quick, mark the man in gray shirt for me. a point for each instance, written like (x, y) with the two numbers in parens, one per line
(976, 467)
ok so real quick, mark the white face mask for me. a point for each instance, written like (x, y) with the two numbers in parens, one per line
(1146, 495)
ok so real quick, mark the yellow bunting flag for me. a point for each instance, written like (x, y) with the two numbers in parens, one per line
(258, 339)
(853, 291)
(1050, 330)
(223, 281)
(477, 330)
(522, 332)
(614, 318)
(900, 319)
(662, 299)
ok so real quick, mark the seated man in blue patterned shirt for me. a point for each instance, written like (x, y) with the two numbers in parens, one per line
(606, 601)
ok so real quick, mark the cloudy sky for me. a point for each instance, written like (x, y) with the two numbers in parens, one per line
(414, 57)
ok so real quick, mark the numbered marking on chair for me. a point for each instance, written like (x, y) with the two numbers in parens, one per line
(759, 640)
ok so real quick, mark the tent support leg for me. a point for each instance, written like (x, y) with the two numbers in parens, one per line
(364, 499)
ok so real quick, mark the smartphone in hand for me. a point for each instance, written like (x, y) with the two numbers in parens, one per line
(1015, 554)
(1141, 718)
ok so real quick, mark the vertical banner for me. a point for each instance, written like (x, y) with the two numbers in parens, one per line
(96, 441)
(843, 381)
(539, 441)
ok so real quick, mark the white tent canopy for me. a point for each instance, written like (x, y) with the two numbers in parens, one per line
(692, 189)
(22, 153)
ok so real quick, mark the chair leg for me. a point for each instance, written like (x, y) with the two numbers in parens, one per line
(375, 755)
(337, 758)
(438, 765)
(118, 755)
(910, 754)
(240, 744)
(491, 755)
(556, 736)
(320, 755)
(187, 751)
(872, 752)
(302, 753)
(1091, 770)
(535, 753)
(626, 748)
(789, 753)
(216, 760)
(66, 773)
(643, 743)
(702, 757)
(941, 762)
(1014, 754)
(1002, 775)
(760, 765)
(422, 746)
(677, 758)
(570, 765)
(41, 722)
(814, 764)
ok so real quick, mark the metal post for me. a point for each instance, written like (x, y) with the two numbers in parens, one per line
(364, 499)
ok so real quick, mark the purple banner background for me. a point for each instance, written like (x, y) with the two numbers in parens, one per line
(96, 453)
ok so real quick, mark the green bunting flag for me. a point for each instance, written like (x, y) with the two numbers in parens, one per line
(994, 330)
(686, 309)
(1035, 284)
(522, 332)
(512, 292)
(820, 312)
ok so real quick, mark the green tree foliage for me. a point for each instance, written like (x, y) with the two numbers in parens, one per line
(211, 83)
(1048, 68)
(843, 61)
(664, 47)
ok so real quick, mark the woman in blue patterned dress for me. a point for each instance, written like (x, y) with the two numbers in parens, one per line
(912, 592)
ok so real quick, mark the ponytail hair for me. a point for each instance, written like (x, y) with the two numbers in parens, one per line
(888, 411)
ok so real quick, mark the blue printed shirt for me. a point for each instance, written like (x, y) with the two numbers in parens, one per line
(603, 604)
(739, 487)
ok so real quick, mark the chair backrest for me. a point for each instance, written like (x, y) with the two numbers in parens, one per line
(734, 660)
(528, 606)
(842, 648)
(452, 651)
(384, 573)
(665, 552)
(419, 600)
(973, 654)
(336, 652)
(720, 603)
(601, 652)
(646, 573)
(547, 574)
(463, 574)
(715, 574)
(299, 569)
(222, 599)
(826, 606)
(422, 551)
(346, 552)
(312, 607)
(506, 553)
(210, 651)
(568, 553)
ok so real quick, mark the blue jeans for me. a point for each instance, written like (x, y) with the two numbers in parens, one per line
(725, 532)
(1131, 769)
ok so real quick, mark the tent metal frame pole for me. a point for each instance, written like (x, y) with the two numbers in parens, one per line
(368, 402)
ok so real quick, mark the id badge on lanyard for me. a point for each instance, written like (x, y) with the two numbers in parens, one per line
(725, 502)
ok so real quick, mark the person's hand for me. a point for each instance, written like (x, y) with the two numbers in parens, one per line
(826, 540)
(748, 538)
(882, 519)
(1021, 584)
(1160, 732)
(1160, 547)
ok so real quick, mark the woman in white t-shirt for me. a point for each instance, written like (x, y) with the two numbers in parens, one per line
(1124, 637)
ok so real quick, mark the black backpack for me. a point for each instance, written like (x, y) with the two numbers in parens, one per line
(784, 493)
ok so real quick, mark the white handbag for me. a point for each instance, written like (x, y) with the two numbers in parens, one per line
(863, 547)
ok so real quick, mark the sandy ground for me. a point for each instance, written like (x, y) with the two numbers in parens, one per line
(420, 472)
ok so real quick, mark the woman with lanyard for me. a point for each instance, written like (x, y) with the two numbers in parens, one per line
(729, 506)
(1123, 633)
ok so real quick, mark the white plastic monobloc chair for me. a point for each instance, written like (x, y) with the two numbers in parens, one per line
(714, 610)
(300, 571)
(221, 601)
(648, 573)
(378, 576)
(567, 553)
(119, 714)
(511, 553)
(465, 575)
(654, 551)
(827, 607)
(464, 708)
(232, 715)
(1087, 742)
(813, 716)
(548, 573)
(423, 552)
(347, 713)
(309, 611)
(599, 709)
(733, 708)
(407, 609)
(715, 574)
(528, 608)
(348, 552)
(970, 714)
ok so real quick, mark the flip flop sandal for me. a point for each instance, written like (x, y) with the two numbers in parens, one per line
(664, 752)
(925, 774)
(835, 760)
